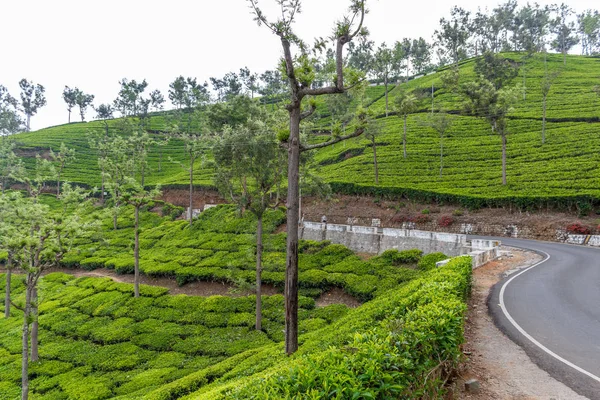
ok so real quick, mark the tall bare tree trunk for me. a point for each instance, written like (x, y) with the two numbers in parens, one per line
(69, 116)
(102, 189)
(25, 344)
(191, 189)
(503, 158)
(7, 290)
(259, 245)
(293, 209)
(385, 82)
(404, 138)
(441, 155)
(58, 183)
(34, 324)
(28, 125)
(544, 119)
(375, 163)
(136, 254)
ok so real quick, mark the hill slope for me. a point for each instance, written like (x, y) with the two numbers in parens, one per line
(563, 169)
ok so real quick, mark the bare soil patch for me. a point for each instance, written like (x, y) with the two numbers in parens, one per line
(336, 296)
(198, 288)
(504, 370)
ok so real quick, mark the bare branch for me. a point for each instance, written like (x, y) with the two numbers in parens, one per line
(308, 112)
(337, 139)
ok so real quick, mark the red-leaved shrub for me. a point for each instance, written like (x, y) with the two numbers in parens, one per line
(445, 220)
(421, 219)
(578, 228)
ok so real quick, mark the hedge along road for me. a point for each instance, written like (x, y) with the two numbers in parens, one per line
(552, 310)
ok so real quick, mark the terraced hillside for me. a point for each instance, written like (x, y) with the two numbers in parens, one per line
(564, 169)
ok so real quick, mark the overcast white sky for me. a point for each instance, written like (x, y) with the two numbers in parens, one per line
(94, 44)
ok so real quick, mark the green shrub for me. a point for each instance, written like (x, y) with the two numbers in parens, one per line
(428, 261)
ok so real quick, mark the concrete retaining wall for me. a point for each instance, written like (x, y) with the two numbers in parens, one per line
(375, 240)
(483, 251)
(585, 240)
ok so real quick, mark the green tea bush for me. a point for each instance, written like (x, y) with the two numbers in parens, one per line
(428, 261)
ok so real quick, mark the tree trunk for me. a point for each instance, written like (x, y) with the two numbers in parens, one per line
(291, 268)
(191, 189)
(544, 119)
(34, 324)
(28, 125)
(25, 344)
(136, 254)
(503, 158)
(385, 82)
(102, 189)
(58, 183)
(375, 163)
(441, 154)
(404, 138)
(7, 292)
(259, 245)
(69, 116)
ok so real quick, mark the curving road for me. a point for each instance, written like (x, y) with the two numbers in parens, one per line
(552, 310)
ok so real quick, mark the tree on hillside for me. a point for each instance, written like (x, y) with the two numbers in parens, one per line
(70, 97)
(420, 55)
(299, 74)
(227, 87)
(98, 140)
(187, 93)
(39, 240)
(249, 80)
(454, 34)
(546, 85)
(532, 27)
(237, 111)
(564, 30)
(274, 85)
(10, 163)
(250, 166)
(196, 143)
(441, 123)
(10, 122)
(118, 167)
(402, 53)
(35, 182)
(384, 67)
(406, 104)
(588, 27)
(129, 99)
(372, 132)
(360, 55)
(32, 99)
(64, 156)
(83, 101)
(137, 196)
(487, 97)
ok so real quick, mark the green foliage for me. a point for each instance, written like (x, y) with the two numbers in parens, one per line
(428, 261)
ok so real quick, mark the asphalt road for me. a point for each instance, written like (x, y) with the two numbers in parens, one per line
(552, 310)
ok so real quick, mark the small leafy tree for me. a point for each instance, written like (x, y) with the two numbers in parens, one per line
(491, 100)
(98, 140)
(64, 156)
(83, 101)
(250, 166)
(36, 181)
(40, 239)
(118, 167)
(10, 163)
(406, 104)
(372, 131)
(10, 122)
(384, 65)
(32, 99)
(135, 195)
(564, 30)
(441, 123)
(70, 97)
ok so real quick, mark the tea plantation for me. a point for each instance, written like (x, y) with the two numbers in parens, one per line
(97, 341)
(558, 172)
